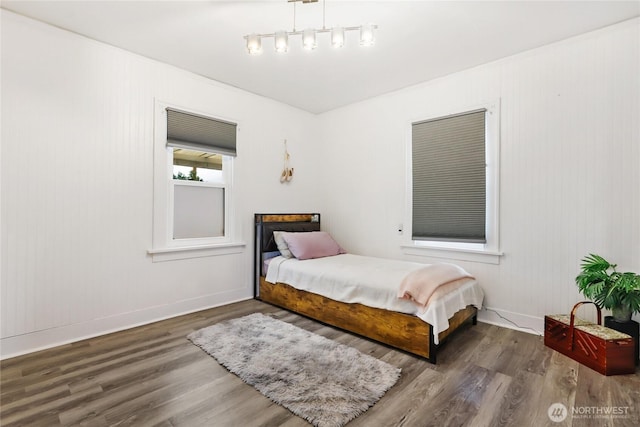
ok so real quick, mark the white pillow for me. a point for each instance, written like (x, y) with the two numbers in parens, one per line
(278, 236)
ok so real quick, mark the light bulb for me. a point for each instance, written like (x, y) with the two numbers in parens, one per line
(337, 37)
(254, 44)
(309, 39)
(367, 37)
(281, 41)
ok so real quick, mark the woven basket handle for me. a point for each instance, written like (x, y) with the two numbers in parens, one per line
(573, 316)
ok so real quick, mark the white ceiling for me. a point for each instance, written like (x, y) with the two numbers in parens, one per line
(416, 40)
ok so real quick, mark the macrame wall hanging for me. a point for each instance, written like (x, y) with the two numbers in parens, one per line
(287, 172)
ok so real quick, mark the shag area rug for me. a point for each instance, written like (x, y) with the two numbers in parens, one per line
(324, 382)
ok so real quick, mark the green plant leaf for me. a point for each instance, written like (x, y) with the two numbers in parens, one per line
(594, 263)
(600, 282)
(632, 299)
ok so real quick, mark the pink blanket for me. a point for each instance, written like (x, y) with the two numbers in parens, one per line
(419, 285)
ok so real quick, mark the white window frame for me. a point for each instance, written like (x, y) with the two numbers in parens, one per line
(488, 252)
(165, 247)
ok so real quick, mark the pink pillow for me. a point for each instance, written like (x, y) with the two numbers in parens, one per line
(313, 244)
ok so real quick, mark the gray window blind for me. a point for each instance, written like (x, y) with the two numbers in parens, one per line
(194, 132)
(449, 179)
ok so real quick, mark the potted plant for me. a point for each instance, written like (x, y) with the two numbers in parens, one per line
(618, 292)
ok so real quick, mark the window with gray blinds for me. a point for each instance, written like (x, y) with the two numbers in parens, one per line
(194, 132)
(449, 179)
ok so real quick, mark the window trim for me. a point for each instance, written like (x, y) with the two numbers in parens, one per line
(164, 246)
(488, 252)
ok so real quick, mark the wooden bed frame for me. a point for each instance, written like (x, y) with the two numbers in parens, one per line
(399, 330)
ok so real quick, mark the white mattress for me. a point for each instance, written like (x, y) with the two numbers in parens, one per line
(370, 281)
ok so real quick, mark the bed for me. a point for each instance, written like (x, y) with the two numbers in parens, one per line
(396, 322)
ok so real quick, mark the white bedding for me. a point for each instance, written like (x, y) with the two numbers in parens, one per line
(370, 281)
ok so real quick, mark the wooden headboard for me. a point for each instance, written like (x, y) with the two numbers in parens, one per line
(266, 224)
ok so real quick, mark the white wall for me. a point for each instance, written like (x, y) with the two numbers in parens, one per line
(77, 186)
(570, 181)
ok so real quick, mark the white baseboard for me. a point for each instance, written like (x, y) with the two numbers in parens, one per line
(48, 338)
(53, 337)
(511, 320)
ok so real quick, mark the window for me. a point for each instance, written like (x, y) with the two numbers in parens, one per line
(449, 178)
(454, 180)
(193, 189)
(199, 186)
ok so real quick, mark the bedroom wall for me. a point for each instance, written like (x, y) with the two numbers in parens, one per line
(77, 187)
(569, 184)
(76, 176)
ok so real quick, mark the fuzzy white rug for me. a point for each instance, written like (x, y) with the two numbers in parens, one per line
(324, 382)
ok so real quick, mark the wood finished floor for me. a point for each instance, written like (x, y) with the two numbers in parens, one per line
(153, 376)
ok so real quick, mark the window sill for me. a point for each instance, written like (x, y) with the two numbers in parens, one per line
(187, 252)
(483, 256)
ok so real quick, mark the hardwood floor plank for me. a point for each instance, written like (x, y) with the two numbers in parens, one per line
(559, 386)
(492, 398)
(153, 376)
(137, 393)
(404, 399)
(520, 402)
(207, 412)
(174, 404)
(625, 397)
(597, 396)
(539, 358)
(10, 406)
(459, 347)
(592, 391)
(44, 409)
(457, 401)
(37, 381)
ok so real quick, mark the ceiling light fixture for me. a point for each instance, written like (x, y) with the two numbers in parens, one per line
(309, 39)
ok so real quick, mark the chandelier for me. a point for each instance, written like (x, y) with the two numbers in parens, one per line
(309, 42)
